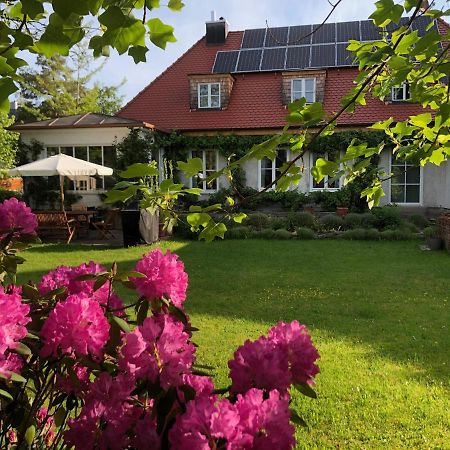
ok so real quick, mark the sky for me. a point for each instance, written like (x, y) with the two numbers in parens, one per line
(189, 27)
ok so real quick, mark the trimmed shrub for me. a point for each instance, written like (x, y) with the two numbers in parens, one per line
(431, 232)
(331, 222)
(372, 234)
(397, 235)
(277, 223)
(353, 220)
(257, 221)
(282, 234)
(361, 234)
(387, 217)
(419, 221)
(408, 227)
(267, 233)
(238, 233)
(300, 219)
(305, 233)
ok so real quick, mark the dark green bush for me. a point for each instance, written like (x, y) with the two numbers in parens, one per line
(431, 232)
(408, 227)
(419, 221)
(372, 234)
(238, 233)
(6, 195)
(331, 222)
(277, 223)
(282, 234)
(183, 230)
(387, 217)
(257, 221)
(305, 233)
(266, 233)
(300, 219)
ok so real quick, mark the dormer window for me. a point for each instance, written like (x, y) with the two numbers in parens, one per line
(209, 95)
(303, 88)
(401, 93)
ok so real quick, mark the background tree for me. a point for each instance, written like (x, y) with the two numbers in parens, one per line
(8, 143)
(59, 86)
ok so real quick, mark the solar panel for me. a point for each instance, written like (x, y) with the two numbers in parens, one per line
(324, 34)
(346, 31)
(420, 24)
(323, 55)
(249, 60)
(344, 57)
(273, 59)
(276, 37)
(254, 38)
(369, 32)
(298, 57)
(225, 62)
(300, 35)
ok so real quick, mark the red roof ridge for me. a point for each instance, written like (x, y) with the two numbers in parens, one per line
(163, 73)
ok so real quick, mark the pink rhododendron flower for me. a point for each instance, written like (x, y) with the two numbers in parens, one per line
(159, 348)
(66, 276)
(302, 354)
(9, 363)
(286, 356)
(201, 385)
(47, 424)
(67, 385)
(13, 318)
(259, 364)
(76, 326)
(207, 421)
(107, 415)
(146, 436)
(164, 276)
(17, 216)
(265, 424)
(12, 436)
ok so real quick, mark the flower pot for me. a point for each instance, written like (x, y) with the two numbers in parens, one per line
(434, 243)
(341, 210)
(309, 209)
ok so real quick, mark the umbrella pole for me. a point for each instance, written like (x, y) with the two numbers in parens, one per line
(61, 186)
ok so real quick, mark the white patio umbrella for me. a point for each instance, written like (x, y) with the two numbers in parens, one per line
(62, 165)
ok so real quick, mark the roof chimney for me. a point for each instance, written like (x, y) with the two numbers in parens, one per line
(216, 30)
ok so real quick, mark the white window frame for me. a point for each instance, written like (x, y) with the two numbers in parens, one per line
(406, 94)
(209, 95)
(420, 203)
(303, 91)
(205, 188)
(73, 146)
(325, 180)
(274, 169)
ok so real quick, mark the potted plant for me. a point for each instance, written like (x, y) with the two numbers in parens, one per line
(432, 239)
(342, 202)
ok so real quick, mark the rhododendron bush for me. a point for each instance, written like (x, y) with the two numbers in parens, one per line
(81, 368)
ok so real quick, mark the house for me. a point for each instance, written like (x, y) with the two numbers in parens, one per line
(88, 136)
(239, 83)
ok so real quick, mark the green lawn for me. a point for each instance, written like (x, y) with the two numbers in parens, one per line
(378, 313)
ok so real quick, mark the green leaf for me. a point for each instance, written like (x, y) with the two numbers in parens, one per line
(175, 5)
(386, 12)
(6, 394)
(125, 37)
(197, 220)
(238, 218)
(16, 377)
(122, 324)
(60, 416)
(160, 33)
(7, 87)
(151, 4)
(140, 170)
(297, 419)
(32, 8)
(212, 231)
(192, 167)
(138, 53)
(113, 17)
(53, 42)
(22, 349)
(29, 435)
(324, 168)
(305, 389)
(65, 8)
(421, 120)
(383, 125)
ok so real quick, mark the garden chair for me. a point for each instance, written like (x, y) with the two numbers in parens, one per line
(105, 227)
(55, 227)
(82, 220)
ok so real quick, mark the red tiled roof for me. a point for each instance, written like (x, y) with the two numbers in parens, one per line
(256, 98)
